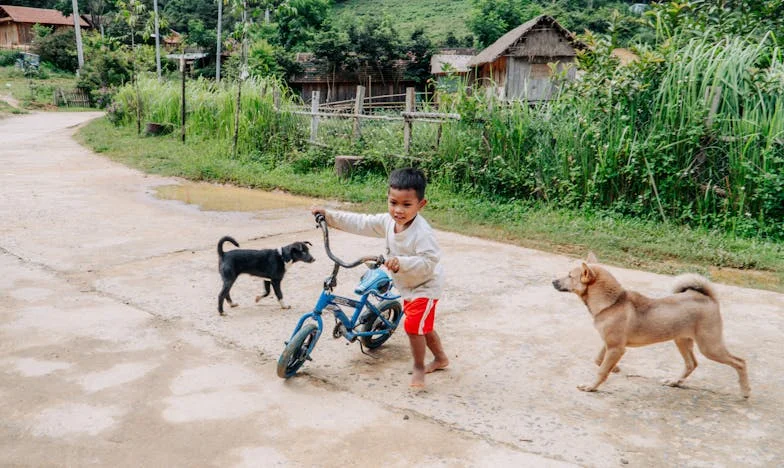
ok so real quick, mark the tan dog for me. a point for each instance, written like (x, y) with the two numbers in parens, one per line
(626, 318)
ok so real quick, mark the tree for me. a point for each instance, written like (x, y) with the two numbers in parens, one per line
(375, 43)
(491, 19)
(419, 51)
(718, 17)
(332, 47)
(299, 20)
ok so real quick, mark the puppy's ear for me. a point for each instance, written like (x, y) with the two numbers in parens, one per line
(591, 258)
(587, 275)
(308, 243)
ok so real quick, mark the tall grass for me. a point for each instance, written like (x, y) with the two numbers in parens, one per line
(210, 111)
(639, 140)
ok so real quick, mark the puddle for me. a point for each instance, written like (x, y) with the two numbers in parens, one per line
(213, 197)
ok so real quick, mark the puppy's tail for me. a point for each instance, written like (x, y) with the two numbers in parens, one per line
(694, 282)
(220, 244)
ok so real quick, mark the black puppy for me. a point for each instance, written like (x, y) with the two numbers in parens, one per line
(270, 264)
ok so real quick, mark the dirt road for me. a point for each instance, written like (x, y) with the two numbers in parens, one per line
(112, 353)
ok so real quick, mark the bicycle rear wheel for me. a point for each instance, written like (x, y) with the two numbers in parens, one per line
(297, 351)
(390, 310)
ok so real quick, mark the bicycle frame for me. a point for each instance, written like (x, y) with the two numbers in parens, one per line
(332, 302)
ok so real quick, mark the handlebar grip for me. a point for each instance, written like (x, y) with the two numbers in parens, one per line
(319, 218)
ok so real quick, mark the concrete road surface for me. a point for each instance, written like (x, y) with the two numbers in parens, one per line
(112, 352)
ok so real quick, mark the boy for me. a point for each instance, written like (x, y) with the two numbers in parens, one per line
(413, 257)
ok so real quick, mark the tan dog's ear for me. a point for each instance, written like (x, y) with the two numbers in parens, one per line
(587, 276)
(591, 258)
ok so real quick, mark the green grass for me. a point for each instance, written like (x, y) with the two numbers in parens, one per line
(35, 93)
(652, 246)
(437, 18)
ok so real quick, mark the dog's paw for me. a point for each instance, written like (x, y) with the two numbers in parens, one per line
(586, 388)
(616, 369)
(672, 382)
(233, 304)
(285, 306)
(258, 298)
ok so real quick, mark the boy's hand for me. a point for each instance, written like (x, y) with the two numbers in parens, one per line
(314, 210)
(393, 264)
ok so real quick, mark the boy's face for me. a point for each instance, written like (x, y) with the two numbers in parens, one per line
(404, 205)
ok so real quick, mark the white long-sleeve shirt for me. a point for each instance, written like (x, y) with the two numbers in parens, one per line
(420, 273)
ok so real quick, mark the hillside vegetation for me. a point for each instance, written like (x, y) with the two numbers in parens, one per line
(437, 18)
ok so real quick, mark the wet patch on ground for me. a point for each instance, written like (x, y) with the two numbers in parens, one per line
(215, 197)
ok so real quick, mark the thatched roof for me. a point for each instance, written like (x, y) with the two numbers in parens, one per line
(502, 45)
(43, 16)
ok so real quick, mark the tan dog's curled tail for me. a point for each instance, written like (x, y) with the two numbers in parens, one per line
(694, 282)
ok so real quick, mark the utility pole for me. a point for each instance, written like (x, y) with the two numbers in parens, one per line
(218, 45)
(157, 40)
(78, 33)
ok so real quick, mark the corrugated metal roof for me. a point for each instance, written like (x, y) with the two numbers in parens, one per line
(499, 47)
(459, 63)
(43, 16)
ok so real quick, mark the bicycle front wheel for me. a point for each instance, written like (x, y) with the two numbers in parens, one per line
(390, 310)
(297, 351)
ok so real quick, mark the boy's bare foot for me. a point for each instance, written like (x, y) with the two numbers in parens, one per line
(417, 379)
(437, 364)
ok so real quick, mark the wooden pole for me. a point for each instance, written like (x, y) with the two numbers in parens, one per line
(276, 98)
(182, 108)
(410, 97)
(358, 105)
(218, 42)
(490, 97)
(714, 94)
(314, 118)
(157, 40)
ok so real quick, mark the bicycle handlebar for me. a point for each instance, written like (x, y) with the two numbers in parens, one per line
(321, 221)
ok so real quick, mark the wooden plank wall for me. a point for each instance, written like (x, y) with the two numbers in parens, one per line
(543, 43)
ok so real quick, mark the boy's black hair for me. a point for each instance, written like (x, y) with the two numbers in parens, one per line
(409, 178)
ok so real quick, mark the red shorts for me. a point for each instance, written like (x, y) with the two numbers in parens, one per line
(420, 314)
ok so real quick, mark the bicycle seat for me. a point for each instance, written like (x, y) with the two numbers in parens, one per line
(376, 281)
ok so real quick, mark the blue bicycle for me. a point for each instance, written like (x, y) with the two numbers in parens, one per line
(376, 314)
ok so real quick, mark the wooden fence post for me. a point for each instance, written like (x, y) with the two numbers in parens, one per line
(358, 107)
(410, 97)
(314, 120)
(276, 98)
(490, 96)
(712, 93)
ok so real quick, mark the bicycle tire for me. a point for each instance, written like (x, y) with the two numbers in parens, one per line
(297, 351)
(393, 311)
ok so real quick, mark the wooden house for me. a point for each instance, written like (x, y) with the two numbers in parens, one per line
(342, 85)
(16, 24)
(521, 62)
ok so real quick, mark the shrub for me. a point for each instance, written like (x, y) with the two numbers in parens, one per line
(8, 57)
(58, 48)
